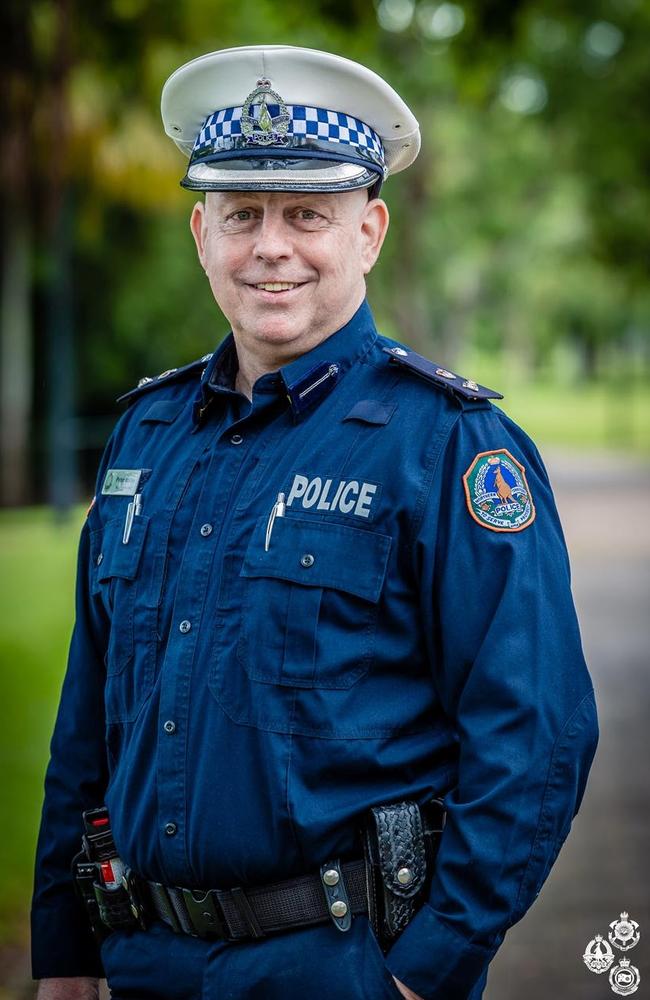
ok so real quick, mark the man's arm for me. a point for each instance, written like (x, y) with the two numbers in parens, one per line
(405, 991)
(62, 942)
(76, 988)
(506, 658)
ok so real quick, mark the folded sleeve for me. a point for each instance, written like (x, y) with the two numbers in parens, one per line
(506, 657)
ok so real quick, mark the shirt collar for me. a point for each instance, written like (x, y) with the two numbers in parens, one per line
(313, 375)
(306, 380)
(217, 378)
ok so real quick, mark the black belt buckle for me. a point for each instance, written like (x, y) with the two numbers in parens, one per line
(205, 914)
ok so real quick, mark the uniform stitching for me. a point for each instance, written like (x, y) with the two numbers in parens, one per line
(537, 839)
(292, 826)
(433, 457)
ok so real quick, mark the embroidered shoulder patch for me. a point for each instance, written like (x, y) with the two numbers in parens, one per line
(498, 496)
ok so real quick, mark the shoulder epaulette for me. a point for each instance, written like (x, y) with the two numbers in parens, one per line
(440, 377)
(165, 378)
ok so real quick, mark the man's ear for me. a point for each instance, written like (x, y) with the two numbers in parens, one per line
(374, 226)
(198, 228)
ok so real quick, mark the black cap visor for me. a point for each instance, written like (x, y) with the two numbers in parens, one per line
(319, 167)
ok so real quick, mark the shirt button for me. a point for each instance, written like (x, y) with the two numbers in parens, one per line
(236, 439)
(100, 558)
(170, 829)
(170, 726)
(307, 560)
(185, 626)
(206, 529)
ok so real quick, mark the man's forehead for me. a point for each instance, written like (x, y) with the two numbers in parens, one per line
(315, 198)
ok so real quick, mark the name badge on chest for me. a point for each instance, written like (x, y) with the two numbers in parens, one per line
(122, 482)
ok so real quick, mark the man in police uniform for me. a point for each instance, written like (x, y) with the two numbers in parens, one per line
(321, 574)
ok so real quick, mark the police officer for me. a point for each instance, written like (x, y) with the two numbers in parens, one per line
(321, 574)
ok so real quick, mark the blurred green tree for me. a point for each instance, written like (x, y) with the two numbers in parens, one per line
(520, 231)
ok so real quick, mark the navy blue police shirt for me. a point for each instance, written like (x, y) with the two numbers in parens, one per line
(247, 677)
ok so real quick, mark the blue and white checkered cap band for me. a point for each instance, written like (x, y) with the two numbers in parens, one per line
(315, 123)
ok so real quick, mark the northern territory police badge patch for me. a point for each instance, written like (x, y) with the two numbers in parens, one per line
(498, 496)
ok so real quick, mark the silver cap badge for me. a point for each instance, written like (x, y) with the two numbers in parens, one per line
(265, 129)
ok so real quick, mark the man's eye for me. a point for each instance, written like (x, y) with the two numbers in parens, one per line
(240, 215)
(308, 214)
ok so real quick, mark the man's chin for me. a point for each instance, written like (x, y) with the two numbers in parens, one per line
(280, 328)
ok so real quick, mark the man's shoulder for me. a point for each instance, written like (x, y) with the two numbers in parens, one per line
(464, 391)
(185, 373)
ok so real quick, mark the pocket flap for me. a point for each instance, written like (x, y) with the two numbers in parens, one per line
(320, 554)
(115, 558)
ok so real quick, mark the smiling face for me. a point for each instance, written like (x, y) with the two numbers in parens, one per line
(287, 270)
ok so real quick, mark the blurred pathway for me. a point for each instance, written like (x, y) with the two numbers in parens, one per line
(604, 503)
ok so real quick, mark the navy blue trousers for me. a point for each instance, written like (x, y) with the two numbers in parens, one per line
(313, 963)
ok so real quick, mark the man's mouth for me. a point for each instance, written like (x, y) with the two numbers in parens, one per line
(277, 286)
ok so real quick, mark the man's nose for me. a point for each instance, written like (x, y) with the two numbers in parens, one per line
(273, 240)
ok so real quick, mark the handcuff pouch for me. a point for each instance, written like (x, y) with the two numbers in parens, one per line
(400, 841)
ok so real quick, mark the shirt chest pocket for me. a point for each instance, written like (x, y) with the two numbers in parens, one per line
(310, 602)
(114, 579)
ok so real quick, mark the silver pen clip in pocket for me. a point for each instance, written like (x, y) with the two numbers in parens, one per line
(277, 510)
(133, 509)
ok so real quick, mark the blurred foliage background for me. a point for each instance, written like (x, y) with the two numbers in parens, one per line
(517, 253)
(519, 239)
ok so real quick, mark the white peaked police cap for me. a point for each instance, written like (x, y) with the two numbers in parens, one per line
(282, 118)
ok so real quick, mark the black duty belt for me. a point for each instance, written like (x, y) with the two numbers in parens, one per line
(388, 883)
(240, 913)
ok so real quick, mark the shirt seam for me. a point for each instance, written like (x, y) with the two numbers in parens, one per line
(441, 439)
(516, 911)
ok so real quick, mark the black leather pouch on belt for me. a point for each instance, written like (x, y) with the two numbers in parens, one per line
(400, 843)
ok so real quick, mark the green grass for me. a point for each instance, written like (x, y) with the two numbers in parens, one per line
(559, 408)
(592, 416)
(37, 569)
